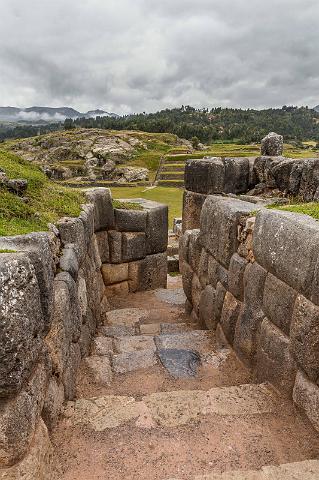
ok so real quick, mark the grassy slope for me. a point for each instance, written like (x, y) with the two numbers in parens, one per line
(173, 197)
(48, 201)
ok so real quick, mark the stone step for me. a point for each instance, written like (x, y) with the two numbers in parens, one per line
(173, 409)
(307, 470)
(172, 176)
(173, 161)
(178, 348)
(135, 321)
(172, 167)
(171, 183)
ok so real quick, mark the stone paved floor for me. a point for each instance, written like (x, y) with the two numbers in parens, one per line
(200, 418)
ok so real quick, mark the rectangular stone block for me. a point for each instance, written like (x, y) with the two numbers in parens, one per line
(113, 273)
(237, 171)
(192, 208)
(217, 175)
(229, 316)
(278, 302)
(306, 396)
(157, 229)
(21, 321)
(115, 246)
(205, 175)
(304, 335)
(149, 273)
(133, 246)
(274, 362)
(103, 245)
(130, 220)
(287, 245)
(103, 208)
(220, 221)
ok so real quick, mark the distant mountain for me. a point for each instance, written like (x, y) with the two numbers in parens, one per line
(316, 108)
(46, 114)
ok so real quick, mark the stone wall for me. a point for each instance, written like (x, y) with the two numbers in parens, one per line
(265, 175)
(54, 289)
(254, 278)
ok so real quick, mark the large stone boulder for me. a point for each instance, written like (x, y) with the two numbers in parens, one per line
(272, 145)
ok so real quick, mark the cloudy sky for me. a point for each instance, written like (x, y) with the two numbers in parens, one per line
(141, 55)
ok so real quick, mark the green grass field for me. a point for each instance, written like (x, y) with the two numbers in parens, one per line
(173, 197)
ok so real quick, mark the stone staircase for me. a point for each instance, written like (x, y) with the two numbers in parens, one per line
(171, 173)
(160, 398)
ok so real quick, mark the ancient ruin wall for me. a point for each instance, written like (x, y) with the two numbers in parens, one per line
(254, 278)
(273, 176)
(54, 289)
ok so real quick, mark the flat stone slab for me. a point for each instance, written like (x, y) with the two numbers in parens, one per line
(180, 363)
(197, 340)
(240, 400)
(134, 344)
(125, 316)
(128, 362)
(105, 412)
(174, 409)
(173, 297)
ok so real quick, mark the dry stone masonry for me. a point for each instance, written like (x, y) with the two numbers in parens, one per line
(250, 273)
(54, 291)
(270, 175)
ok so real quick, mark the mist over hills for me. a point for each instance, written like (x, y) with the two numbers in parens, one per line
(47, 114)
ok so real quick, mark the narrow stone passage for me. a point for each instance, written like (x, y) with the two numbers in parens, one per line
(160, 398)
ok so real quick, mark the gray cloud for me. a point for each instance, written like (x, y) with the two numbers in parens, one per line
(127, 56)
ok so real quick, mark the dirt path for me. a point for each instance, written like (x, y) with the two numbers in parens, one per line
(147, 424)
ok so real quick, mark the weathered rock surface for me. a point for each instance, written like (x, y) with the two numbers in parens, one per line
(272, 145)
(180, 363)
(21, 321)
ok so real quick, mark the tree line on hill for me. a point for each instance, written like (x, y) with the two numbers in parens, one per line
(224, 124)
(12, 131)
(209, 126)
